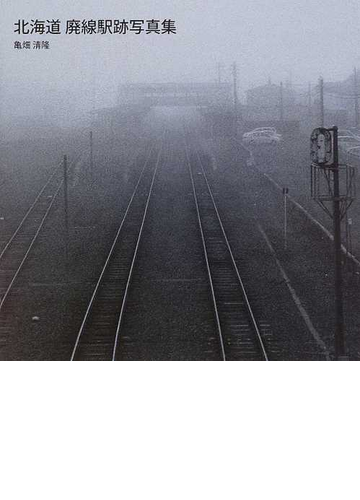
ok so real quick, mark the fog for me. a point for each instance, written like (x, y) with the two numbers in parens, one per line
(288, 40)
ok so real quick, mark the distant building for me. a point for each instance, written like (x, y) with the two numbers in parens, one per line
(302, 104)
(175, 94)
(269, 102)
(269, 96)
(339, 98)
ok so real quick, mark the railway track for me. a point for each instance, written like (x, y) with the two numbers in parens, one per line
(17, 249)
(99, 333)
(239, 334)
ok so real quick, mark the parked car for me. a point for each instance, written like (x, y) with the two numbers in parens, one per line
(354, 151)
(349, 133)
(271, 130)
(347, 141)
(265, 129)
(261, 137)
(355, 131)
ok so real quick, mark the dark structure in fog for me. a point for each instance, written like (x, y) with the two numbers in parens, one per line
(176, 94)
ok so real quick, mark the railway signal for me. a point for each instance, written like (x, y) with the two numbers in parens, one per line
(321, 147)
(332, 183)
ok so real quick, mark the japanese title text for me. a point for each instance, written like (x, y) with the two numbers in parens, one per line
(92, 26)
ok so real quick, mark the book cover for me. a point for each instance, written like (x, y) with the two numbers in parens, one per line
(178, 180)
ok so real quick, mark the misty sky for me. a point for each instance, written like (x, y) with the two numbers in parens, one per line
(281, 39)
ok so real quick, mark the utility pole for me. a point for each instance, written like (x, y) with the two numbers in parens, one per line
(356, 99)
(282, 105)
(219, 71)
(66, 216)
(339, 332)
(309, 102)
(325, 188)
(322, 109)
(236, 101)
(285, 195)
(91, 155)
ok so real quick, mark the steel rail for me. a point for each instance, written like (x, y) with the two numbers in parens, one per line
(4, 297)
(217, 317)
(33, 205)
(247, 302)
(29, 211)
(123, 304)
(108, 259)
(34, 238)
